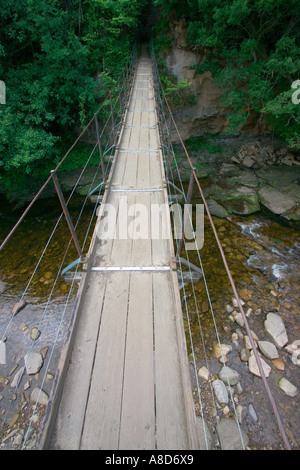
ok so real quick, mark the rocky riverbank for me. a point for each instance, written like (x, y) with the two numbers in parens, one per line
(228, 383)
(263, 258)
(245, 178)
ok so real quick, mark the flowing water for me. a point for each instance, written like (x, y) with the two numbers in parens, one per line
(263, 257)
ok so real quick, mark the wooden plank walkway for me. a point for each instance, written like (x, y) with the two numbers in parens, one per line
(126, 384)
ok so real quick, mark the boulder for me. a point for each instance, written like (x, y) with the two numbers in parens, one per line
(276, 329)
(276, 201)
(216, 209)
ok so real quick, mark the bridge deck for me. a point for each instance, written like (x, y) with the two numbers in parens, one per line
(127, 384)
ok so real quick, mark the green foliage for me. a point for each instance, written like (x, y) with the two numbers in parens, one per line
(58, 60)
(198, 144)
(251, 48)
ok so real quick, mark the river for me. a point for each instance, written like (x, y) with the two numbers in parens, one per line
(263, 256)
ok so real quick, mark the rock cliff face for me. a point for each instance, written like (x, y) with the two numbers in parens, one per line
(208, 114)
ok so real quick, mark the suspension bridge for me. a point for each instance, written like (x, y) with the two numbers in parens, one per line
(123, 378)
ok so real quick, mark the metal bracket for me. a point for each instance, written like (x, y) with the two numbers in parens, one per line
(186, 277)
(130, 268)
(97, 187)
(72, 265)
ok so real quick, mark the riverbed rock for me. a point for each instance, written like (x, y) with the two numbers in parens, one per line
(238, 317)
(244, 201)
(274, 200)
(228, 375)
(33, 362)
(206, 439)
(245, 354)
(17, 377)
(243, 178)
(203, 373)
(253, 367)
(35, 333)
(220, 391)
(279, 364)
(276, 329)
(278, 178)
(39, 396)
(231, 436)
(268, 349)
(252, 412)
(2, 352)
(246, 294)
(216, 209)
(241, 412)
(287, 387)
(18, 307)
(222, 349)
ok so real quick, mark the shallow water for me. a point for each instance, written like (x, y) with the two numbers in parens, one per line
(263, 257)
(29, 271)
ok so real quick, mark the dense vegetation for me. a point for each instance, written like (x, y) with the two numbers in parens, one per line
(57, 58)
(251, 47)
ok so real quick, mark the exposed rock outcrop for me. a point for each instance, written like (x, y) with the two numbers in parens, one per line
(205, 113)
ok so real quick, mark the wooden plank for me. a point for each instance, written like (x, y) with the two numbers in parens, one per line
(143, 171)
(141, 237)
(70, 418)
(118, 176)
(170, 410)
(122, 247)
(105, 241)
(136, 121)
(155, 170)
(138, 411)
(160, 230)
(130, 174)
(102, 419)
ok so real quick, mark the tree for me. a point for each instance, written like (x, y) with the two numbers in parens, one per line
(51, 52)
(251, 48)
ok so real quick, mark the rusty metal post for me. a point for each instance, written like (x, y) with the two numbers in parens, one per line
(99, 146)
(188, 200)
(67, 215)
